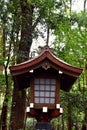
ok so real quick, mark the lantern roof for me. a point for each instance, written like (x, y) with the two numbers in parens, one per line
(47, 60)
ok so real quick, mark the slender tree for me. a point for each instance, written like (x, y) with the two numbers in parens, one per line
(19, 97)
(6, 58)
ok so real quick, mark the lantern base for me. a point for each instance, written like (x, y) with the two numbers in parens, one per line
(43, 116)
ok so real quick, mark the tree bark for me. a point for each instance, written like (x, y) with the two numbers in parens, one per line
(5, 102)
(84, 126)
(62, 122)
(5, 105)
(18, 109)
(69, 125)
(19, 97)
(26, 31)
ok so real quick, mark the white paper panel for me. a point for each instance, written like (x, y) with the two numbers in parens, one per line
(41, 94)
(42, 87)
(47, 87)
(53, 88)
(52, 100)
(36, 93)
(41, 100)
(47, 94)
(53, 81)
(47, 100)
(47, 81)
(36, 87)
(36, 100)
(52, 94)
(42, 81)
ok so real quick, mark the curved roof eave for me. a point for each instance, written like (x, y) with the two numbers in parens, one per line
(46, 54)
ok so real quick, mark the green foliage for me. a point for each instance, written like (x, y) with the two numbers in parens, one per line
(70, 45)
(2, 83)
(46, 15)
(30, 124)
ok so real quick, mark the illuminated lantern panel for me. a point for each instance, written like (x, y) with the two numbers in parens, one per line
(44, 90)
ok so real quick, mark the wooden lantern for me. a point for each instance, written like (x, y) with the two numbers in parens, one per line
(45, 75)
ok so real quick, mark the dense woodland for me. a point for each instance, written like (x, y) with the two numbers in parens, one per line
(20, 24)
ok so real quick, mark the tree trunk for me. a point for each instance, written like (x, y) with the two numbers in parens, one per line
(69, 125)
(62, 122)
(26, 31)
(84, 126)
(18, 109)
(5, 102)
(5, 105)
(19, 97)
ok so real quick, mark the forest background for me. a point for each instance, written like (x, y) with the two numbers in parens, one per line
(23, 22)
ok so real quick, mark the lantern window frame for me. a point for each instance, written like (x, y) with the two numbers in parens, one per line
(50, 104)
